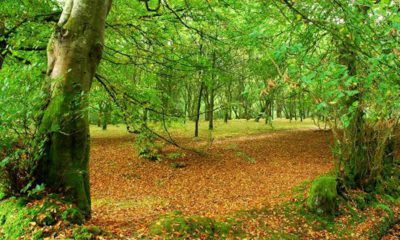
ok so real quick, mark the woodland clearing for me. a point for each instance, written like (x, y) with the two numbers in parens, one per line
(128, 192)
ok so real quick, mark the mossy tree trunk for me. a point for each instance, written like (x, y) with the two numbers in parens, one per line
(74, 53)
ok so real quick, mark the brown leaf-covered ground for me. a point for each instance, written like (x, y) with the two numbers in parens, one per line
(393, 234)
(246, 172)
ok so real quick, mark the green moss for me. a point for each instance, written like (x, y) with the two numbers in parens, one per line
(69, 152)
(323, 197)
(70, 24)
(14, 218)
(86, 233)
(73, 216)
(178, 226)
(2, 191)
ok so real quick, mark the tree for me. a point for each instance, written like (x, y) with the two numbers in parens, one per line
(352, 76)
(74, 52)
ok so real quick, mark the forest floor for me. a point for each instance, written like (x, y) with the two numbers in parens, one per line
(251, 169)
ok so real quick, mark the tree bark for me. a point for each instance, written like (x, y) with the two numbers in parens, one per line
(74, 52)
(196, 129)
(206, 104)
(211, 110)
(106, 115)
(212, 93)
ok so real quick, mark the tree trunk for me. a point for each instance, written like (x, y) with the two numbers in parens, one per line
(74, 53)
(211, 110)
(212, 94)
(206, 105)
(228, 108)
(106, 115)
(278, 110)
(100, 115)
(267, 110)
(226, 116)
(235, 111)
(196, 129)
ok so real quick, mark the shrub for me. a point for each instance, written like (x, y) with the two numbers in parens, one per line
(17, 168)
(388, 183)
(323, 197)
(147, 146)
(15, 173)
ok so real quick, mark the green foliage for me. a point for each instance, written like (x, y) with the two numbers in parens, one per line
(48, 212)
(14, 218)
(388, 183)
(41, 218)
(323, 197)
(361, 200)
(178, 226)
(342, 64)
(387, 209)
(86, 233)
(17, 171)
(73, 215)
(147, 146)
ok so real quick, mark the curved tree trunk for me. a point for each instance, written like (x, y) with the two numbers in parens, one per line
(74, 53)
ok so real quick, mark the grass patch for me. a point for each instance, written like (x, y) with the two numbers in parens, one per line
(234, 128)
(237, 127)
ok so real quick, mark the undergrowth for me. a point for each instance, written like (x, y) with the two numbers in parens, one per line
(359, 214)
(14, 218)
(47, 217)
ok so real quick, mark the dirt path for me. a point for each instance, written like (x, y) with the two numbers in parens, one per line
(248, 172)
